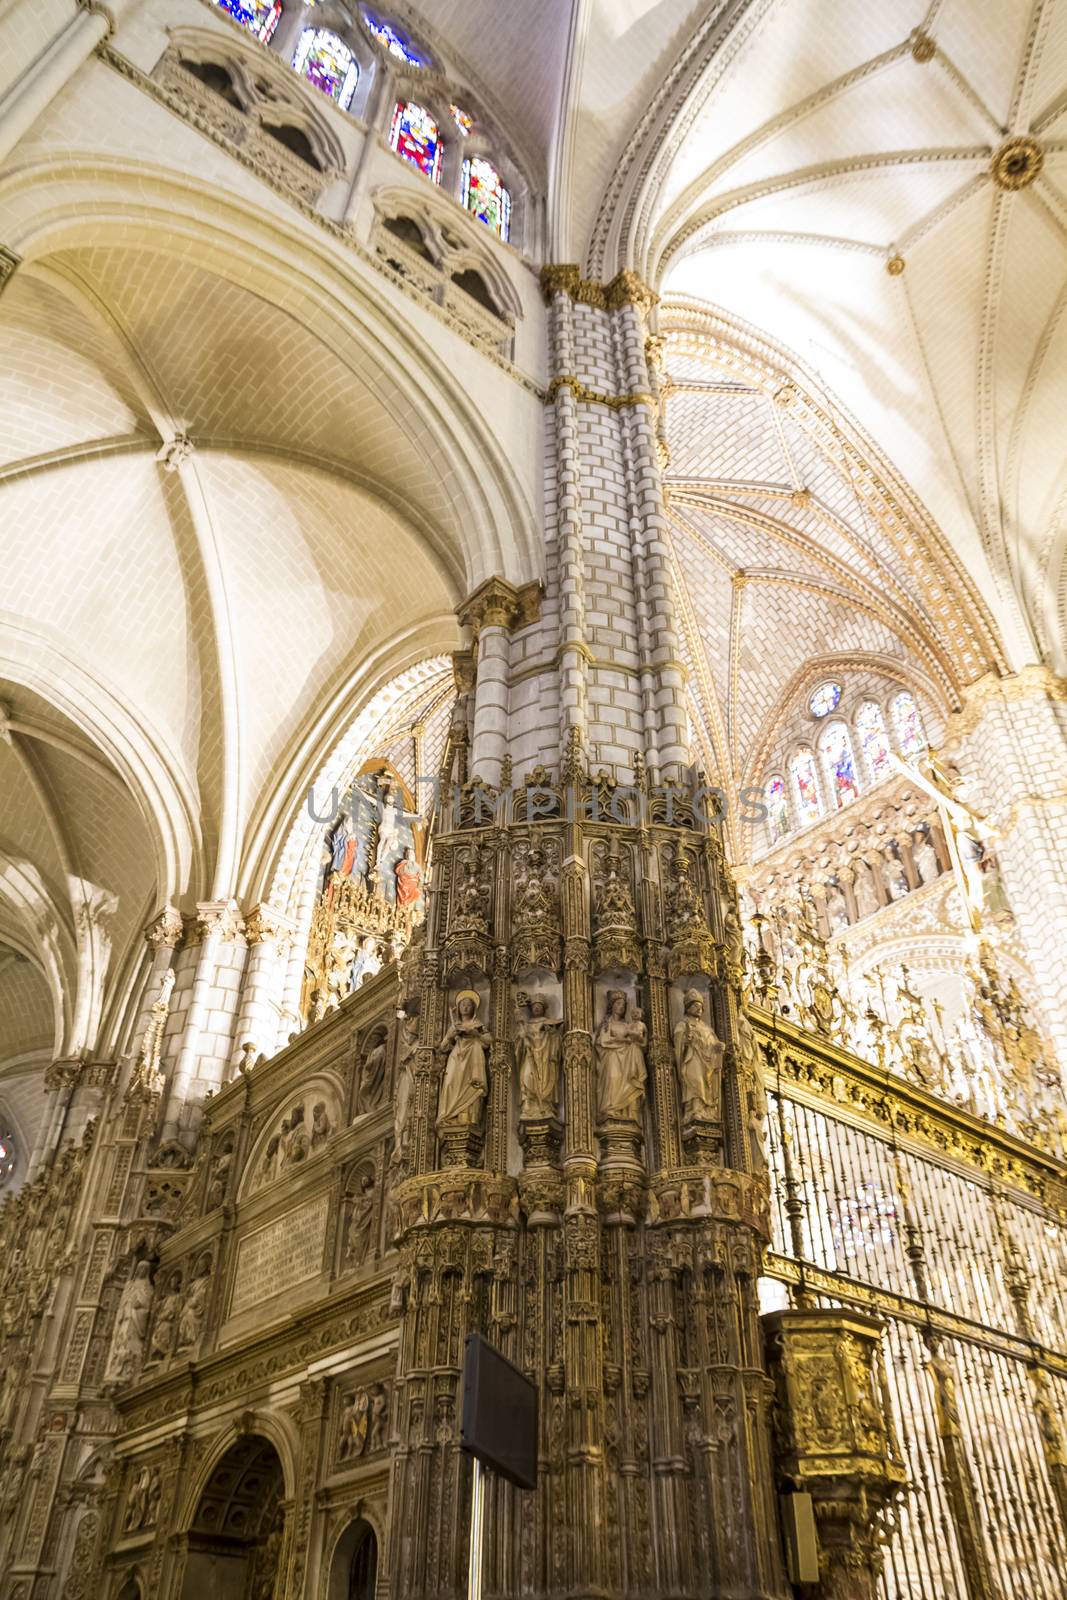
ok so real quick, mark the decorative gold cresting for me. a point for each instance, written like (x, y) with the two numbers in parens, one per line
(1017, 163)
(496, 603)
(625, 289)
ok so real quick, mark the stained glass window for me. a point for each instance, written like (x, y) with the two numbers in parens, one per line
(777, 804)
(394, 42)
(825, 699)
(485, 197)
(416, 137)
(258, 16)
(874, 740)
(836, 747)
(463, 121)
(327, 62)
(908, 724)
(806, 786)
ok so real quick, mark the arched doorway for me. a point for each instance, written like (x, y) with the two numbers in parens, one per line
(354, 1569)
(235, 1539)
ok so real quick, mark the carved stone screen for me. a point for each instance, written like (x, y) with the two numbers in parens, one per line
(279, 1256)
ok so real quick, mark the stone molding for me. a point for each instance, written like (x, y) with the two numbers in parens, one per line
(496, 603)
(625, 289)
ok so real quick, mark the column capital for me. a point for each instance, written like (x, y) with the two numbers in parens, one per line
(220, 917)
(624, 289)
(165, 930)
(496, 603)
(265, 923)
(1033, 680)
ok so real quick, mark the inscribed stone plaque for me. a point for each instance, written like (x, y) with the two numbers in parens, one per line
(281, 1254)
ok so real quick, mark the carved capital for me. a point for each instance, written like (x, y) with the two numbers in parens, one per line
(219, 917)
(166, 931)
(496, 603)
(263, 924)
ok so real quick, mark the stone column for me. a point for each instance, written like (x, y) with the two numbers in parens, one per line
(208, 1017)
(267, 934)
(1010, 743)
(38, 82)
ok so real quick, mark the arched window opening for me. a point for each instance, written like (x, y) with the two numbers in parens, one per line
(825, 699)
(213, 75)
(806, 786)
(485, 196)
(411, 234)
(474, 284)
(327, 62)
(874, 740)
(836, 748)
(296, 141)
(463, 120)
(416, 136)
(395, 42)
(258, 16)
(908, 724)
(777, 803)
(363, 1572)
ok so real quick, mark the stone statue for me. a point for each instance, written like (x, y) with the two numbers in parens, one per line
(191, 1318)
(924, 856)
(409, 1044)
(353, 1431)
(372, 1075)
(367, 963)
(866, 893)
(320, 1126)
(379, 1416)
(465, 1082)
(698, 1053)
(537, 1050)
(361, 1223)
(166, 1319)
(221, 1163)
(619, 1048)
(294, 1139)
(131, 1326)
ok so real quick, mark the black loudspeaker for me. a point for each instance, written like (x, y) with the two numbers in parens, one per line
(499, 1418)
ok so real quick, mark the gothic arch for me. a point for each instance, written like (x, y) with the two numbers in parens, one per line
(276, 1428)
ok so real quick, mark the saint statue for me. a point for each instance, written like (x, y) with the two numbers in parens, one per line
(131, 1325)
(372, 1075)
(537, 1050)
(408, 879)
(192, 1312)
(361, 1223)
(166, 1319)
(409, 1044)
(367, 963)
(619, 1047)
(698, 1053)
(465, 1083)
(344, 846)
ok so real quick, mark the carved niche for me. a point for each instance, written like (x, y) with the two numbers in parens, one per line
(295, 1135)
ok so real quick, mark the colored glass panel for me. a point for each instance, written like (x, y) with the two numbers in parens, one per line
(825, 699)
(416, 137)
(874, 740)
(463, 122)
(777, 804)
(259, 18)
(394, 42)
(908, 724)
(836, 747)
(327, 62)
(806, 785)
(485, 197)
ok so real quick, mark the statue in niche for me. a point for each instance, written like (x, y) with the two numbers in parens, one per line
(894, 877)
(366, 963)
(698, 1053)
(191, 1317)
(354, 1425)
(537, 1050)
(372, 1074)
(925, 856)
(379, 1416)
(270, 1158)
(221, 1163)
(320, 1126)
(166, 1319)
(294, 1142)
(866, 893)
(836, 908)
(465, 1082)
(685, 910)
(361, 1223)
(471, 900)
(131, 1326)
(409, 1044)
(619, 1049)
(408, 875)
(535, 901)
